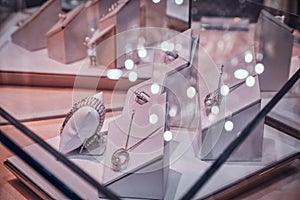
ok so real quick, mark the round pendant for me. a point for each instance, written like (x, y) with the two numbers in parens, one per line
(120, 160)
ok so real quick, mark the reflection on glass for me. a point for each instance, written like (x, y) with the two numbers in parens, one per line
(230, 33)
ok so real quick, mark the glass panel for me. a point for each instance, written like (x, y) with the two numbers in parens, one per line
(51, 162)
(202, 95)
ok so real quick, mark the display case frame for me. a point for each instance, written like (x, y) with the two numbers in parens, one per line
(280, 135)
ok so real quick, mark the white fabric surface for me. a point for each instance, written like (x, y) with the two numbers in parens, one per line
(81, 126)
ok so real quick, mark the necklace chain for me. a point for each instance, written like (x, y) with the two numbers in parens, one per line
(139, 142)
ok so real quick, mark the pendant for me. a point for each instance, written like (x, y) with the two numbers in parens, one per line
(120, 159)
(212, 99)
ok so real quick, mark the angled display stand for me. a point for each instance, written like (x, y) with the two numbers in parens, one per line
(31, 34)
(271, 34)
(221, 128)
(117, 19)
(93, 13)
(148, 160)
(65, 39)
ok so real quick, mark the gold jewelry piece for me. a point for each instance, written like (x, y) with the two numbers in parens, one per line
(141, 97)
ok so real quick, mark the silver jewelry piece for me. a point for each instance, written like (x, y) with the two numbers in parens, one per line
(120, 158)
(141, 97)
(214, 98)
(172, 54)
(96, 104)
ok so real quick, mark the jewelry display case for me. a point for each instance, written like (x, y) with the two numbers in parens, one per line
(168, 115)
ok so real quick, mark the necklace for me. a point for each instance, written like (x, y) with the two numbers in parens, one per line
(215, 98)
(120, 157)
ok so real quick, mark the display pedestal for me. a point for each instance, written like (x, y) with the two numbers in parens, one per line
(31, 34)
(65, 39)
(103, 41)
(237, 109)
(274, 40)
(115, 47)
(149, 159)
(92, 13)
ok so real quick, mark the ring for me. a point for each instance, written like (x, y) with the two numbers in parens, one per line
(172, 54)
(141, 97)
(120, 160)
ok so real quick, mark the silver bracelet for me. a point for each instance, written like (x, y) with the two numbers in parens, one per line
(96, 104)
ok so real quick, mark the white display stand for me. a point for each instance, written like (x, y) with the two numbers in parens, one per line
(118, 21)
(239, 107)
(148, 161)
(31, 34)
(270, 30)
